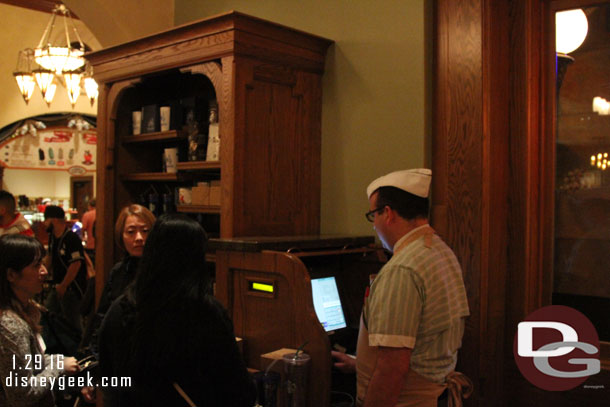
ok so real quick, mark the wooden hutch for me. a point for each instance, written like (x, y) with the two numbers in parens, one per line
(265, 79)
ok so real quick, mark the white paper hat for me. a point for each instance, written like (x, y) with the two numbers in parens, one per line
(415, 181)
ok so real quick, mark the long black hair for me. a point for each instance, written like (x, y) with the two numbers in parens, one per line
(16, 253)
(172, 279)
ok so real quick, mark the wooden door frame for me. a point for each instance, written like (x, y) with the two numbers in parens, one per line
(80, 178)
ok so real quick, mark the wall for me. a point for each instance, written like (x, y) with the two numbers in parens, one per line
(374, 107)
(36, 183)
(112, 21)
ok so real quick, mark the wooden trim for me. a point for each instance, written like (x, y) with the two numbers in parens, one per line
(151, 176)
(106, 118)
(198, 208)
(198, 165)
(150, 137)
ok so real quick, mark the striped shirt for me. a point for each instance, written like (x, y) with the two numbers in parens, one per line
(19, 225)
(418, 301)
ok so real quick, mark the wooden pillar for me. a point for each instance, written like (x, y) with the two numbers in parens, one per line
(485, 199)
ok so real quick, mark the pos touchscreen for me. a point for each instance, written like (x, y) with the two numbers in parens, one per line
(327, 303)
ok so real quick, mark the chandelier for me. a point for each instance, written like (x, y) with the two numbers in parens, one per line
(49, 64)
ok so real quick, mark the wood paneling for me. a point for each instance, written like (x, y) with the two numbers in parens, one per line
(457, 155)
(493, 188)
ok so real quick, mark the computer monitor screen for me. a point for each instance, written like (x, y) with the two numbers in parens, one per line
(327, 303)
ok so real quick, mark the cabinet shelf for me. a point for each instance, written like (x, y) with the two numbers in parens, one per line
(152, 137)
(198, 208)
(151, 176)
(198, 165)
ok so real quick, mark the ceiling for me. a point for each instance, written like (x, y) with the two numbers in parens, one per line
(102, 23)
(38, 5)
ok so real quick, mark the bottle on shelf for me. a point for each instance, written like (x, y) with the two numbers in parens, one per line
(213, 149)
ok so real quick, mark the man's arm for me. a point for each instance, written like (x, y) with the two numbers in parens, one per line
(388, 377)
(73, 269)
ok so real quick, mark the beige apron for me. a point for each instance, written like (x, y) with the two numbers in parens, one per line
(417, 391)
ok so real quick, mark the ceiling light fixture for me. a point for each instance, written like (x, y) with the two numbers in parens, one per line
(66, 62)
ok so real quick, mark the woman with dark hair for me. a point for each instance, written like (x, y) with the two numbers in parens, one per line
(130, 233)
(168, 333)
(22, 276)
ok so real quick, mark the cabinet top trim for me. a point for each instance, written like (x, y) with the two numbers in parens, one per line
(222, 35)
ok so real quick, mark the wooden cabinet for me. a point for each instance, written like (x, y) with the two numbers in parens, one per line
(266, 80)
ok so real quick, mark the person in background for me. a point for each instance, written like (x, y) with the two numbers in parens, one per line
(414, 312)
(168, 333)
(88, 222)
(12, 221)
(43, 205)
(130, 232)
(22, 351)
(69, 271)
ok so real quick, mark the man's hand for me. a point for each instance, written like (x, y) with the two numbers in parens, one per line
(345, 363)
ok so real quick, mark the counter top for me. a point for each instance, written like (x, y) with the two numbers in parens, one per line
(289, 243)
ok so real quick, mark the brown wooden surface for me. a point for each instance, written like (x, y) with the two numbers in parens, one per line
(147, 137)
(150, 176)
(457, 148)
(286, 318)
(493, 188)
(268, 89)
(198, 165)
(198, 208)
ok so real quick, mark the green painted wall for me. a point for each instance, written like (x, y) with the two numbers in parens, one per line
(375, 90)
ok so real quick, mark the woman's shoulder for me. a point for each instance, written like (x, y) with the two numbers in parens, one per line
(12, 323)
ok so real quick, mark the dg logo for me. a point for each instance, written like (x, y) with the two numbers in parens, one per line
(557, 348)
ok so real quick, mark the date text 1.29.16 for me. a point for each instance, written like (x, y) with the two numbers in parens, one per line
(35, 362)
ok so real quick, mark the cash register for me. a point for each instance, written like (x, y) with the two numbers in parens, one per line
(281, 292)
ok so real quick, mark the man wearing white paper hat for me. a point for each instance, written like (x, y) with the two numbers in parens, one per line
(413, 316)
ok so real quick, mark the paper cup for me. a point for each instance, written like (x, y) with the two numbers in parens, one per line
(185, 196)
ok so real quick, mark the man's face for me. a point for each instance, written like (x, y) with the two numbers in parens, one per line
(50, 224)
(379, 223)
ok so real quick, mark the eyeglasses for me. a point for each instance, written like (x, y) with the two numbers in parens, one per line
(370, 215)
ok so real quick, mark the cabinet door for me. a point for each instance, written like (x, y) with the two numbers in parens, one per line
(277, 139)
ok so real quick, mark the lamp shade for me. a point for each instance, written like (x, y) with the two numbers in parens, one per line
(571, 29)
